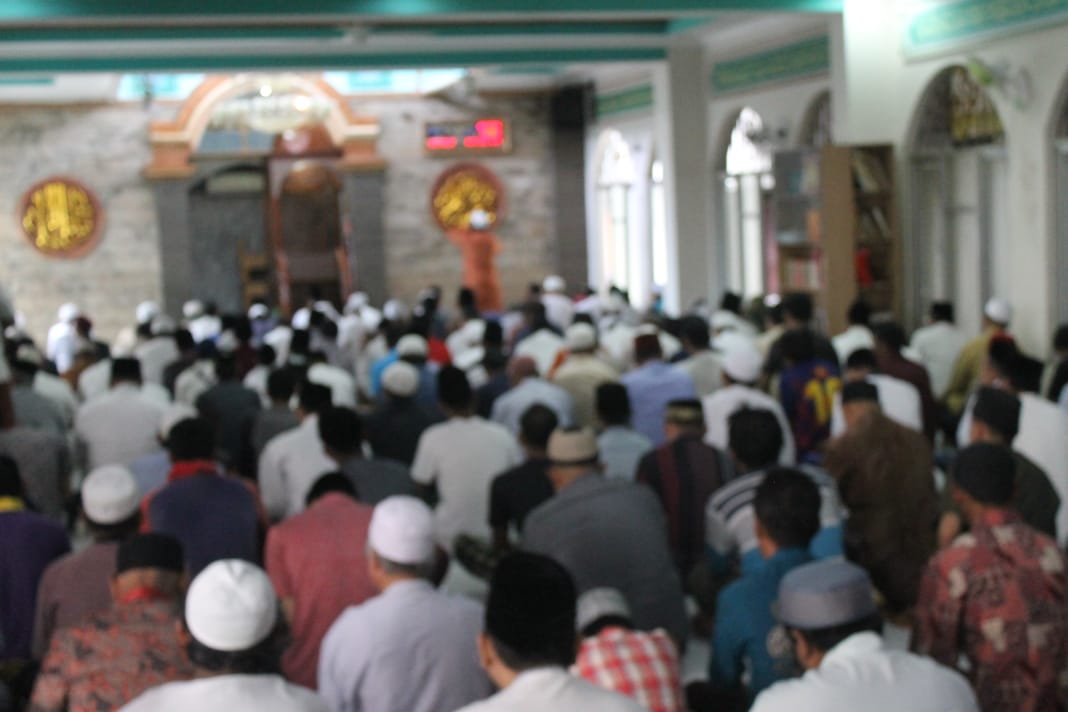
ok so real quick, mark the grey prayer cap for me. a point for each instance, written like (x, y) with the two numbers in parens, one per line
(825, 594)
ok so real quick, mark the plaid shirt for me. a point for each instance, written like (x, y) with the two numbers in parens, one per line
(996, 596)
(644, 666)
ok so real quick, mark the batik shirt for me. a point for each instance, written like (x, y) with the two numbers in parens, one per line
(111, 658)
(996, 597)
(644, 666)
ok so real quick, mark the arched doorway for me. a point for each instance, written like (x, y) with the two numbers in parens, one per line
(743, 196)
(1060, 147)
(958, 216)
(817, 124)
(615, 180)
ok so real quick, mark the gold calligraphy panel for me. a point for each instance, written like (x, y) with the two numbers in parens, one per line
(464, 188)
(61, 218)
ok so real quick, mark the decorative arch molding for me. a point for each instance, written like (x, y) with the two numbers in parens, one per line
(173, 143)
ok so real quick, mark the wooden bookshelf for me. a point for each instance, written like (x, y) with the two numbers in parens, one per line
(837, 229)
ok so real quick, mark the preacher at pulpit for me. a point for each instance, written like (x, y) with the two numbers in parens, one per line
(478, 247)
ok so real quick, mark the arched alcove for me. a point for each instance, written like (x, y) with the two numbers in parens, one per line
(816, 126)
(743, 197)
(616, 175)
(1060, 149)
(957, 241)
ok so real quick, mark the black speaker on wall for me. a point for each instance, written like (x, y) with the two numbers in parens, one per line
(572, 107)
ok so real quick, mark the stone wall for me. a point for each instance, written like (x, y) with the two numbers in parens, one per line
(417, 252)
(105, 148)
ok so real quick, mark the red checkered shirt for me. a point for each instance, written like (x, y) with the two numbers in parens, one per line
(997, 597)
(644, 666)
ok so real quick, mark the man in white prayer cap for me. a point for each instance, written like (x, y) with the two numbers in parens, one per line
(558, 308)
(410, 648)
(234, 635)
(62, 341)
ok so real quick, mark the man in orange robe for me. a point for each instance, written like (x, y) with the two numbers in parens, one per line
(479, 246)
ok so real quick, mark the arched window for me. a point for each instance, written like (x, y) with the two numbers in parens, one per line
(816, 126)
(658, 223)
(958, 222)
(1061, 148)
(615, 177)
(745, 187)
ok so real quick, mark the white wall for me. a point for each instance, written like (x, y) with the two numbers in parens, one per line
(882, 92)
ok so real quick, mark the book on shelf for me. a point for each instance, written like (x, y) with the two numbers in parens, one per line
(802, 274)
(870, 174)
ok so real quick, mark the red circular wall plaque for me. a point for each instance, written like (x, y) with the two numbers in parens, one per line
(61, 218)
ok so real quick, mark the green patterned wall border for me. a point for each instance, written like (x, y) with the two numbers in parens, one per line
(937, 27)
(802, 59)
(635, 99)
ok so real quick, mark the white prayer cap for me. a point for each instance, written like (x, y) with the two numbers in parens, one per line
(402, 530)
(231, 606)
(647, 329)
(553, 283)
(258, 311)
(174, 414)
(599, 603)
(356, 301)
(743, 364)
(301, 319)
(412, 346)
(371, 318)
(146, 312)
(395, 310)
(192, 309)
(110, 495)
(580, 336)
(162, 324)
(469, 358)
(401, 379)
(68, 312)
(478, 219)
(226, 343)
(998, 311)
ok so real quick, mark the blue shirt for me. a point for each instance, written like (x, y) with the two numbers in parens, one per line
(745, 634)
(378, 368)
(650, 388)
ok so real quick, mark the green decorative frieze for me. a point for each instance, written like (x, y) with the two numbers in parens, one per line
(802, 59)
(635, 99)
(934, 27)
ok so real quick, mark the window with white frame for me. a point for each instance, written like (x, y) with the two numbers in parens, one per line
(746, 185)
(658, 224)
(615, 177)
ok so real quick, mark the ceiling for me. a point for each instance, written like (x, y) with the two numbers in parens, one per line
(516, 37)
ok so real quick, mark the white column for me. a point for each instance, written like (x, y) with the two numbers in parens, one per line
(680, 98)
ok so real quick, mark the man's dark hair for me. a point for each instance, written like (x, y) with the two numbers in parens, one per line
(755, 437)
(787, 505)
(859, 313)
(191, 439)
(328, 329)
(242, 329)
(862, 358)
(454, 390)
(280, 384)
(798, 345)
(262, 659)
(119, 531)
(798, 307)
(11, 484)
(890, 334)
(330, 482)
(647, 347)
(610, 621)
(774, 314)
(694, 329)
(125, 370)
(535, 314)
(314, 397)
(266, 356)
(183, 338)
(226, 367)
(536, 425)
(530, 612)
(824, 639)
(1060, 338)
(731, 302)
(942, 311)
(341, 430)
(613, 404)
(493, 336)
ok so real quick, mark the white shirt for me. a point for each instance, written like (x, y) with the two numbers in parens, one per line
(256, 380)
(899, 400)
(462, 456)
(1043, 437)
(559, 310)
(938, 347)
(342, 385)
(60, 344)
(205, 328)
(96, 380)
(194, 382)
(59, 392)
(228, 693)
(726, 401)
(553, 688)
(861, 674)
(509, 407)
(155, 355)
(852, 339)
(410, 649)
(542, 346)
(119, 426)
(705, 370)
(289, 466)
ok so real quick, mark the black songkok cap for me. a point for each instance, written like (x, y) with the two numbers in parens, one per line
(987, 472)
(685, 412)
(999, 409)
(855, 391)
(150, 551)
(531, 603)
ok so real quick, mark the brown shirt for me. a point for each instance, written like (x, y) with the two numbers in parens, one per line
(884, 475)
(72, 588)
